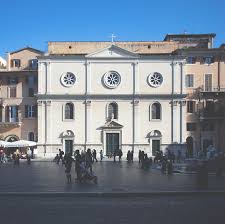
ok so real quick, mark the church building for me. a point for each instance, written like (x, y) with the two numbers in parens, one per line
(109, 96)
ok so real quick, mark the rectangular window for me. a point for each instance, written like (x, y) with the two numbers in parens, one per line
(208, 60)
(191, 60)
(191, 126)
(208, 82)
(13, 113)
(33, 64)
(12, 91)
(30, 111)
(15, 63)
(190, 106)
(31, 92)
(189, 80)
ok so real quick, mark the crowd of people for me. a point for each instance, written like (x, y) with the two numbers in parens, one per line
(15, 156)
(83, 164)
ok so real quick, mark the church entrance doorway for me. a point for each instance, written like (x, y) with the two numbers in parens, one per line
(112, 143)
(69, 147)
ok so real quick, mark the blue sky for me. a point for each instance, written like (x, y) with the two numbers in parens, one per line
(33, 23)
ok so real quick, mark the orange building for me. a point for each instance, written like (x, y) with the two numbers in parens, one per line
(18, 104)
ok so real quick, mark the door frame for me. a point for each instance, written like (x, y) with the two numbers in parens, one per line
(109, 131)
(64, 144)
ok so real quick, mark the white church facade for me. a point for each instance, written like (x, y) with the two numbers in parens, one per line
(111, 99)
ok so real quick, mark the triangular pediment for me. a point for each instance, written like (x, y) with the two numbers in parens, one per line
(112, 124)
(112, 52)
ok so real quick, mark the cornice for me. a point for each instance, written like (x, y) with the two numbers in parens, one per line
(106, 97)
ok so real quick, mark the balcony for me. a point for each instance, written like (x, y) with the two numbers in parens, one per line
(11, 123)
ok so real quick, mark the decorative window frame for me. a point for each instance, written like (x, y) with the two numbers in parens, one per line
(105, 81)
(107, 108)
(62, 81)
(191, 87)
(150, 112)
(63, 112)
(149, 82)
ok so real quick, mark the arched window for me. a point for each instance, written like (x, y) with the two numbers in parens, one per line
(69, 111)
(113, 111)
(31, 136)
(156, 111)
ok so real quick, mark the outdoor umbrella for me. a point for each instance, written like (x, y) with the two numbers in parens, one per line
(21, 143)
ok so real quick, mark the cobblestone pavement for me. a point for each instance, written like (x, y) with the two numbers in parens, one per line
(112, 177)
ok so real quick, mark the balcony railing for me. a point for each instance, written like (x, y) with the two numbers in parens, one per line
(213, 89)
(11, 122)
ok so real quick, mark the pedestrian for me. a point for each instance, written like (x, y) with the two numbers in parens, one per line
(101, 155)
(164, 165)
(139, 156)
(94, 155)
(169, 167)
(78, 160)
(68, 166)
(128, 156)
(120, 153)
(1, 156)
(132, 156)
(61, 153)
(88, 160)
(114, 155)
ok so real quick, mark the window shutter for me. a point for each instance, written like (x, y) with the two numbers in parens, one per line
(186, 80)
(7, 113)
(17, 113)
(26, 111)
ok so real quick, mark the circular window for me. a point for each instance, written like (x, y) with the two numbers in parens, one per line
(112, 79)
(155, 79)
(68, 79)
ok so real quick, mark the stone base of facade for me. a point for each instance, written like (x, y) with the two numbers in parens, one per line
(50, 151)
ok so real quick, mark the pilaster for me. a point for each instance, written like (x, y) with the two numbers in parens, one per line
(136, 118)
(88, 119)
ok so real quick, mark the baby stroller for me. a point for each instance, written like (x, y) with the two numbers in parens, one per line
(86, 174)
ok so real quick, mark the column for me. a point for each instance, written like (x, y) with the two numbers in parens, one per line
(3, 113)
(172, 81)
(136, 126)
(181, 77)
(88, 119)
(88, 77)
(174, 121)
(136, 88)
(48, 122)
(48, 78)
(41, 73)
(182, 120)
(41, 119)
